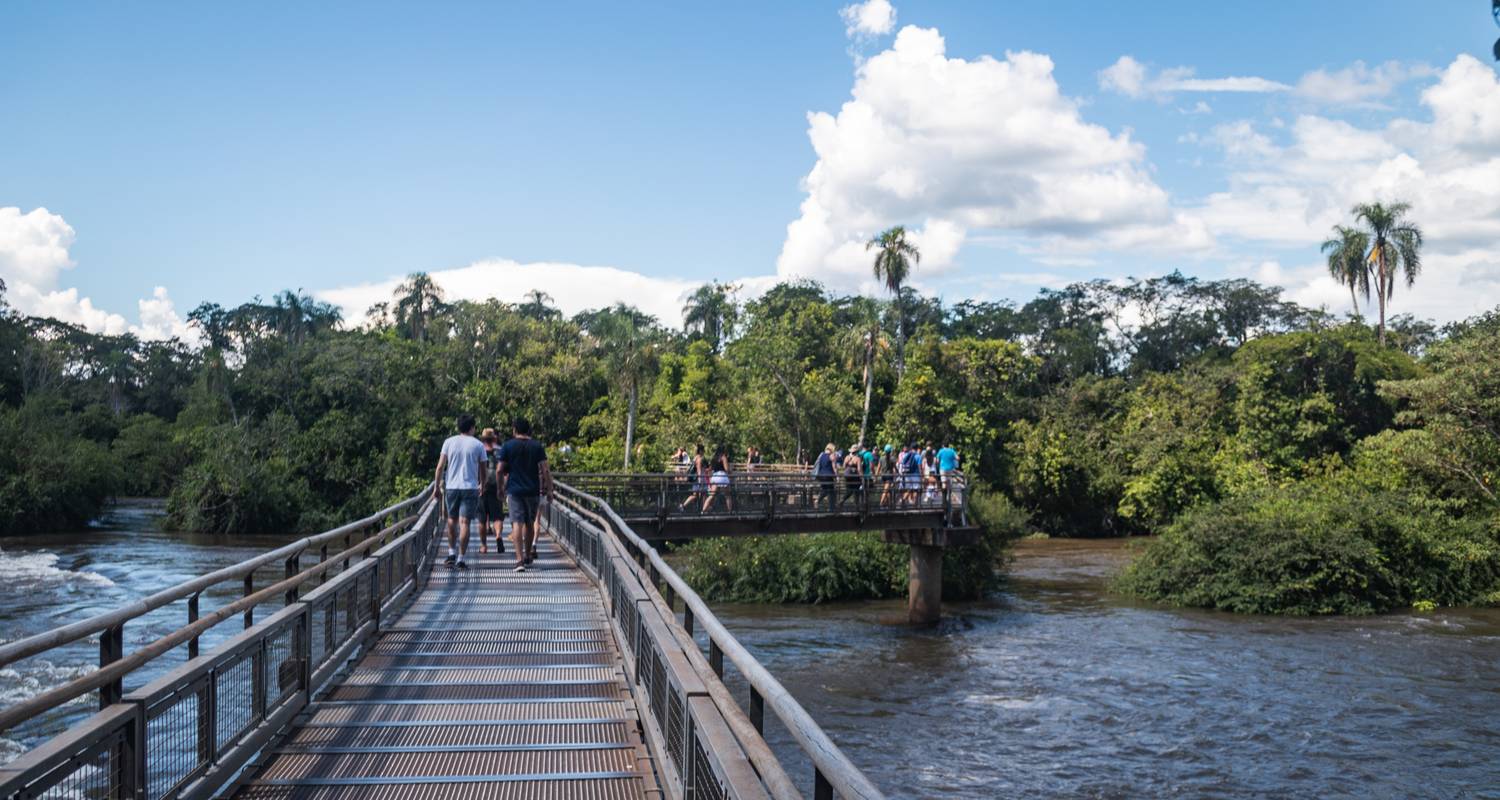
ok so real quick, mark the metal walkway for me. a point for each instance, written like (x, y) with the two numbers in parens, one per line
(597, 675)
(492, 684)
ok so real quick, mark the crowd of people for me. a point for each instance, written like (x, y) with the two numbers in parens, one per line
(911, 475)
(477, 478)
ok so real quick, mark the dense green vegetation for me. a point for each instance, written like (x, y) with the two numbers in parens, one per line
(1290, 460)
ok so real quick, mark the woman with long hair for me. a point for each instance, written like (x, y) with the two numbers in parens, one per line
(719, 481)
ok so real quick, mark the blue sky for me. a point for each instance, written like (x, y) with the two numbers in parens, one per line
(223, 151)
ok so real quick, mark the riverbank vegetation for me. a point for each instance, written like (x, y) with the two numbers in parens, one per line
(1291, 460)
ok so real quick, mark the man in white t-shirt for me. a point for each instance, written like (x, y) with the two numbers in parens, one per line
(459, 473)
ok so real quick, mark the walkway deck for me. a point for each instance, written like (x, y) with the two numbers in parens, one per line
(492, 684)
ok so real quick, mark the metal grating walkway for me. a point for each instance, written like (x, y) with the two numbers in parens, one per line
(492, 684)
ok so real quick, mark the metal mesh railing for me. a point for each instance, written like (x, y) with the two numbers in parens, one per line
(187, 732)
(708, 746)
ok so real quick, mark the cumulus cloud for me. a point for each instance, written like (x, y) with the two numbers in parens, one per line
(575, 288)
(34, 252)
(956, 146)
(1292, 192)
(868, 19)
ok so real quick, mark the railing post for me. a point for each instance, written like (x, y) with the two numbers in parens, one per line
(193, 617)
(302, 644)
(716, 658)
(249, 590)
(757, 711)
(822, 789)
(687, 619)
(111, 649)
(132, 755)
(293, 566)
(322, 557)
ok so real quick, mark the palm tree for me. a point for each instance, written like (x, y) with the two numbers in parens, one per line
(710, 312)
(538, 306)
(1395, 246)
(418, 302)
(628, 337)
(1346, 261)
(894, 260)
(865, 342)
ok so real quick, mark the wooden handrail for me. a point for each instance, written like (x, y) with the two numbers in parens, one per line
(42, 642)
(36, 704)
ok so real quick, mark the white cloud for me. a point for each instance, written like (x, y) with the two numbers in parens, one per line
(969, 145)
(33, 254)
(1131, 78)
(159, 319)
(1357, 84)
(33, 246)
(1447, 167)
(868, 19)
(575, 288)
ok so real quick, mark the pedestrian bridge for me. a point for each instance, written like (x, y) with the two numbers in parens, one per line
(361, 671)
(674, 506)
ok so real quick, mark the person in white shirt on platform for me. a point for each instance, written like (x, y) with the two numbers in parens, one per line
(457, 481)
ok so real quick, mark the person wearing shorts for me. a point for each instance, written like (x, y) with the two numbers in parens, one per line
(523, 470)
(457, 480)
(490, 506)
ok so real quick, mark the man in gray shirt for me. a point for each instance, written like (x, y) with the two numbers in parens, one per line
(457, 480)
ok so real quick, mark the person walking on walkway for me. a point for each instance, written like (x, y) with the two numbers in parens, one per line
(457, 480)
(698, 471)
(719, 481)
(525, 476)
(909, 465)
(490, 506)
(885, 473)
(854, 484)
(824, 470)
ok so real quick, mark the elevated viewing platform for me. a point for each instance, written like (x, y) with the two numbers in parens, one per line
(675, 506)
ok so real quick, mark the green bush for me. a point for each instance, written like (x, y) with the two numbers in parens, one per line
(1327, 546)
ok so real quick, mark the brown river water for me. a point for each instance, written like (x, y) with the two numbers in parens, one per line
(1052, 687)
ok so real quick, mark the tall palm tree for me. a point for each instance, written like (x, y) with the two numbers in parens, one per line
(1395, 246)
(894, 259)
(865, 342)
(538, 306)
(419, 301)
(710, 312)
(628, 337)
(1346, 261)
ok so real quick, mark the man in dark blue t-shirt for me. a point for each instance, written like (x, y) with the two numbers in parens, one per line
(522, 470)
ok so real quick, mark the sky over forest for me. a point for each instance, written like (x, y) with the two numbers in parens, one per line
(155, 156)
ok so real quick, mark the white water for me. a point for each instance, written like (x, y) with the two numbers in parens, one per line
(38, 570)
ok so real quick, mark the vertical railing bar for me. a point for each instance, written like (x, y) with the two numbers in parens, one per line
(293, 566)
(716, 658)
(757, 711)
(193, 617)
(249, 590)
(822, 789)
(111, 649)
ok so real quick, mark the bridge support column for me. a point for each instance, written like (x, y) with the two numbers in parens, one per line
(924, 585)
(924, 579)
